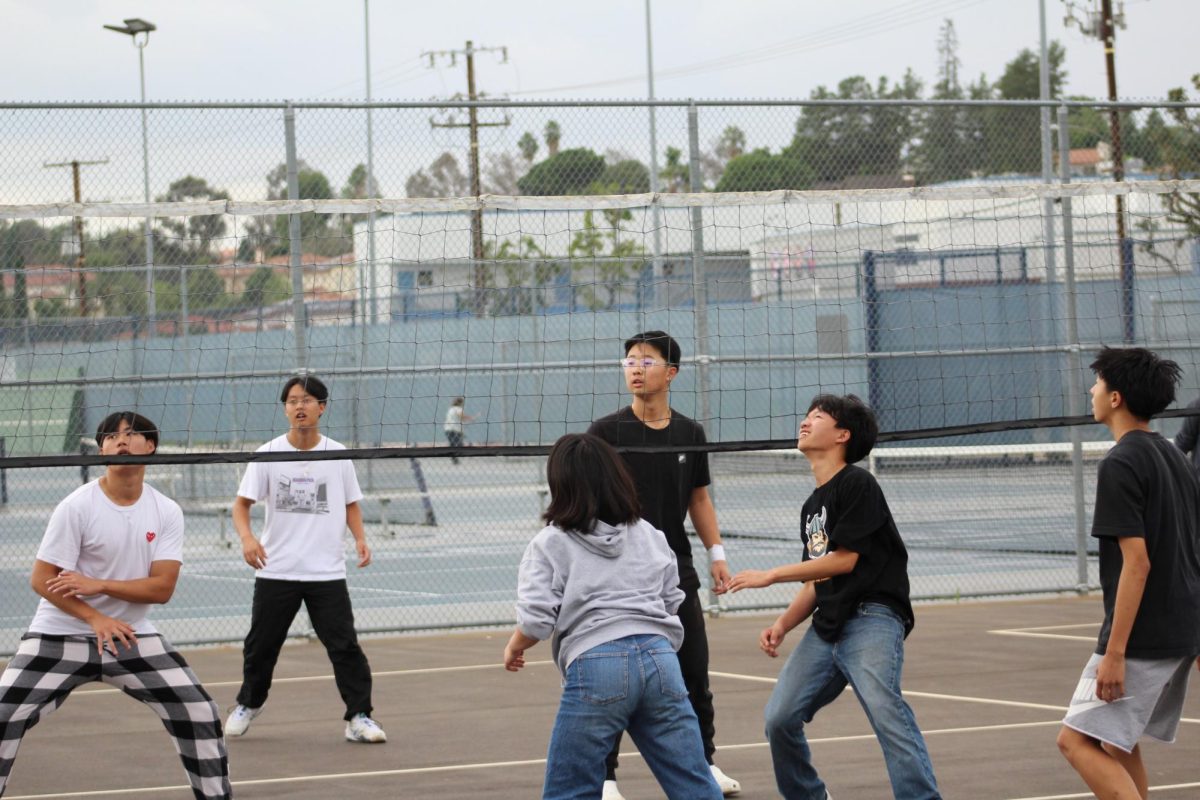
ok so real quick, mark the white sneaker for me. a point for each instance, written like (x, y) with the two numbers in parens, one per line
(239, 719)
(729, 787)
(611, 792)
(362, 728)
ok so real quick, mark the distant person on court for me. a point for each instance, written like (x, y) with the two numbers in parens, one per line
(1147, 503)
(855, 572)
(1188, 438)
(603, 586)
(112, 549)
(300, 559)
(453, 426)
(671, 485)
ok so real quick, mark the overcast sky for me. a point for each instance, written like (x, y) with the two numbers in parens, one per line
(275, 49)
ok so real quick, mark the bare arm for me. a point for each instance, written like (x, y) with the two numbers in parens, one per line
(156, 588)
(108, 630)
(1131, 585)
(800, 609)
(514, 651)
(704, 520)
(252, 549)
(354, 521)
(835, 562)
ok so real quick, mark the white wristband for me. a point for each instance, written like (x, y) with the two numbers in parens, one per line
(716, 552)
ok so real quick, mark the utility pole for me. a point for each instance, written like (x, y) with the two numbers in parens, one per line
(1103, 25)
(478, 268)
(80, 261)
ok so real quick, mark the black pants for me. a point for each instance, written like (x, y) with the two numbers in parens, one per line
(693, 661)
(275, 606)
(455, 438)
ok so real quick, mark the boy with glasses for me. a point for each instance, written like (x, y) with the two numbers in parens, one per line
(300, 560)
(112, 549)
(671, 485)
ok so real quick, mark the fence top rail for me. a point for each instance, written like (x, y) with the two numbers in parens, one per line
(281, 105)
(490, 202)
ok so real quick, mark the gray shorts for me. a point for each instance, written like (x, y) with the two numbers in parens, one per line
(1153, 703)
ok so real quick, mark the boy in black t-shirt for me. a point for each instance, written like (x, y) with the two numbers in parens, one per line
(670, 486)
(1147, 502)
(855, 574)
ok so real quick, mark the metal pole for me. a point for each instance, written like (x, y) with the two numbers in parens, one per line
(699, 277)
(151, 306)
(1074, 384)
(1047, 147)
(300, 321)
(476, 215)
(655, 212)
(370, 173)
(80, 261)
(1108, 34)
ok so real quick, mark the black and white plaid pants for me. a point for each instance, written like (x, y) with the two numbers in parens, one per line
(47, 668)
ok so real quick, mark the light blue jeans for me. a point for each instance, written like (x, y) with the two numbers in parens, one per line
(633, 684)
(869, 656)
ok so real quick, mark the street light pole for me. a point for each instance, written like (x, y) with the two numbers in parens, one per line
(654, 210)
(139, 30)
(372, 280)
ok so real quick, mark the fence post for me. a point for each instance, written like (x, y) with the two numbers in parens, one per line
(300, 320)
(1074, 384)
(699, 274)
(3, 474)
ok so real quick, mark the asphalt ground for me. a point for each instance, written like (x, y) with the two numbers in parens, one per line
(989, 682)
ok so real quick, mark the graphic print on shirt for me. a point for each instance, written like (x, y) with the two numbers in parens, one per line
(815, 537)
(302, 494)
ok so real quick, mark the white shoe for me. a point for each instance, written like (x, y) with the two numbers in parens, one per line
(611, 792)
(239, 719)
(729, 787)
(362, 728)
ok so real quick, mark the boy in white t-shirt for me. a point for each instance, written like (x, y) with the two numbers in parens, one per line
(112, 549)
(453, 427)
(300, 560)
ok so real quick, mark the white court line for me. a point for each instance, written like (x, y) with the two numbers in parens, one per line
(1039, 632)
(1163, 788)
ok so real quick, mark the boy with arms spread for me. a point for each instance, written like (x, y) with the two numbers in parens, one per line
(855, 574)
(300, 560)
(112, 549)
(1147, 504)
(670, 486)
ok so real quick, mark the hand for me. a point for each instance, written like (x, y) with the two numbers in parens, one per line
(73, 584)
(1110, 678)
(109, 630)
(720, 576)
(749, 579)
(514, 658)
(770, 639)
(364, 552)
(253, 552)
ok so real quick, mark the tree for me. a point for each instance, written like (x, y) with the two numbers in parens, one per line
(265, 287)
(206, 292)
(51, 308)
(528, 145)
(567, 172)
(12, 259)
(839, 141)
(728, 146)
(627, 176)
(194, 234)
(1179, 149)
(356, 184)
(271, 235)
(1012, 136)
(674, 175)
(442, 178)
(553, 135)
(946, 145)
(610, 271)
(759, 171)
(501, 174)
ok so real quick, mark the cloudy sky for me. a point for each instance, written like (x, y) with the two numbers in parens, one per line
(274, 49)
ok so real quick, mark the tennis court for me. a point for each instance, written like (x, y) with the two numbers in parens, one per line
(988, 682)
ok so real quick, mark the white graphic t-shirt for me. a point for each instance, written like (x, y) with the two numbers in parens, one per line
(305, 528)
(90, 534)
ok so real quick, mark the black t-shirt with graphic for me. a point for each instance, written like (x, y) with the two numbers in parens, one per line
(850, 512)
(1147, 489)
(664, 480)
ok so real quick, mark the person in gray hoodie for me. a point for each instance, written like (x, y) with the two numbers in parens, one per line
(603, 586)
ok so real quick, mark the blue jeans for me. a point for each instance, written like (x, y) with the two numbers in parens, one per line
(869, 655)
(633, 684)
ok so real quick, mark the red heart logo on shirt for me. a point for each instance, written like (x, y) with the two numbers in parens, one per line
(149, 536)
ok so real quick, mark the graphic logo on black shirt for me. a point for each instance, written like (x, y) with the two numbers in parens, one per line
(302, 495)
(816, 539)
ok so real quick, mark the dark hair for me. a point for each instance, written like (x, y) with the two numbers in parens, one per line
(588, 482)
(308, 383)
(850, 413)
(1146, 382)
(137, 423)
(661, 341)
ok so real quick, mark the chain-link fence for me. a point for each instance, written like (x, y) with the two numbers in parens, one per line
(950, 305)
